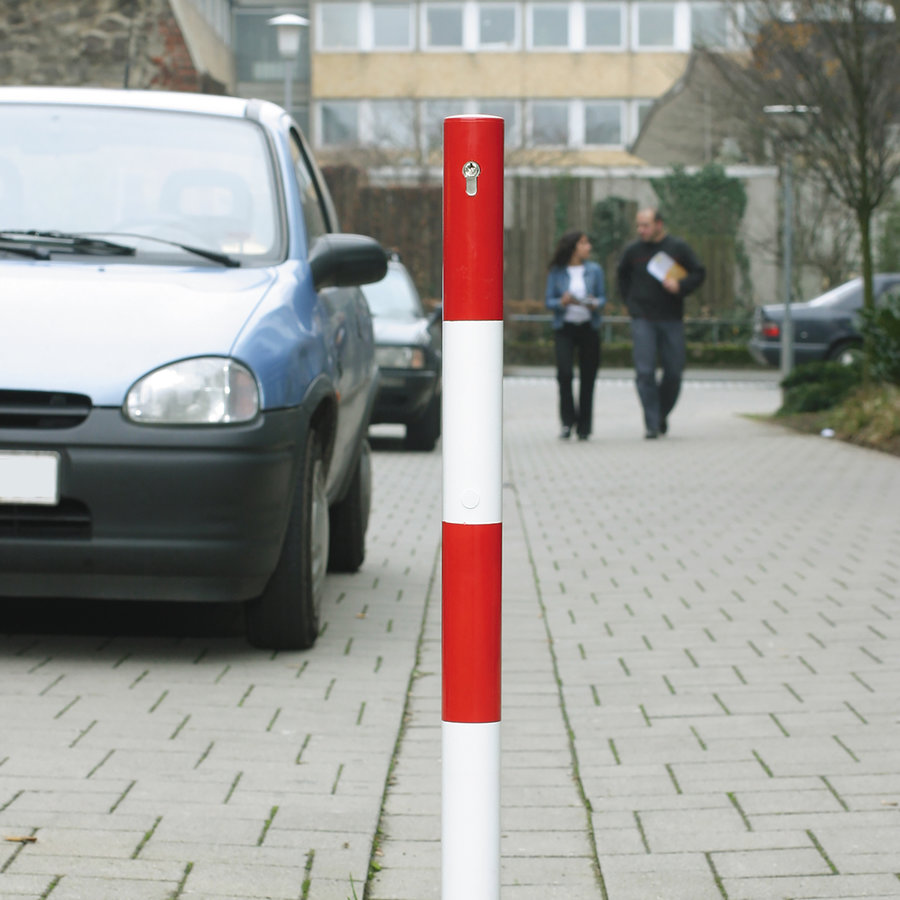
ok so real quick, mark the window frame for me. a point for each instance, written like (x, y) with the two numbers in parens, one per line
(369, 9)
(635, 42)
(531, 8)
(622, 45)
(533, 104)
(611, 102)
(425, 45)
(320, 106)
(516, 43)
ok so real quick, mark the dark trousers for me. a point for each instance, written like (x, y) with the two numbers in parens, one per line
(583, 341)
(663, 341)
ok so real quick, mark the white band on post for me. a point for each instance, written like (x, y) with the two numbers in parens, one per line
(470, 840)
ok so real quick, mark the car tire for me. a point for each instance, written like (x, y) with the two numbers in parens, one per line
(350, 518)
(423, 433)
(286, 615)
(845, 353)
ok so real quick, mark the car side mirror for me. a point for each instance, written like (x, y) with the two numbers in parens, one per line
(436, 315)
(346, 260)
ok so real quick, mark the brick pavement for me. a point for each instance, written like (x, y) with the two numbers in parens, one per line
(700, 690)
(700, 663)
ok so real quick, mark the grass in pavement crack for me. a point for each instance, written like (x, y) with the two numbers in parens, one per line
(51, 887)
(146, 838)
(401, 733)
(180, 887)
(573, 752)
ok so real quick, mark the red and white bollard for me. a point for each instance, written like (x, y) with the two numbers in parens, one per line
(472, 505)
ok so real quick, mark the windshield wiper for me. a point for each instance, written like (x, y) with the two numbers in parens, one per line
(11, 246)
(39, 244)
(60, 242)
(214, 255)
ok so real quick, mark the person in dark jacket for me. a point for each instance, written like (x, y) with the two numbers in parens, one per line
(655, 274)
(576, 291)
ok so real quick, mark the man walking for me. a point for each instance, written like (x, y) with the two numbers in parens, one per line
(655, 274)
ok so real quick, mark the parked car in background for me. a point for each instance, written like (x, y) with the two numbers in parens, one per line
(408, 350)
(187, 363)
(825, 328)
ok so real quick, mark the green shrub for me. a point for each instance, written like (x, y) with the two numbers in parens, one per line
(881, 330)
(817, 386)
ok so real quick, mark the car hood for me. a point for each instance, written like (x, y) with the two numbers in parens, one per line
(96, 329)
(400, 331)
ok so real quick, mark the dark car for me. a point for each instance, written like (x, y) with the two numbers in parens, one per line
(825, 328)
(408, 351)
(187, 363)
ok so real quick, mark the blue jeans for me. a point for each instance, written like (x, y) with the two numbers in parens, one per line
(663, 341)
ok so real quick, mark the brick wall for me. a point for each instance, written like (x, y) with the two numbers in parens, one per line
(103, 43)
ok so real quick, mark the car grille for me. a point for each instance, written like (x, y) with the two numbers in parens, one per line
(70, 519)
(42, 410)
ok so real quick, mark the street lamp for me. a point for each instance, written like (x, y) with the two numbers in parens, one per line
(794, 127)
(288, 27)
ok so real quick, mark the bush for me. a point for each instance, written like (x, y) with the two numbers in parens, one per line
(817, 386)
(881, 330)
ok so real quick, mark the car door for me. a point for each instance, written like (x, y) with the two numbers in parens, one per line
(348, 336)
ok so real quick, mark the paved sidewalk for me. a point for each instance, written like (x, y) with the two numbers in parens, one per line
(701, 688)
(701, 663)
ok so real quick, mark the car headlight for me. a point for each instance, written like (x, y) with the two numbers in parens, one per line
(204, 391)
(400, 357)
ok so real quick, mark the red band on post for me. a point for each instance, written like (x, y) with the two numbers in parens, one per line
(473, 223)
(471, 622)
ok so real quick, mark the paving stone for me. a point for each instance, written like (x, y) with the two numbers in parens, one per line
(700, 689)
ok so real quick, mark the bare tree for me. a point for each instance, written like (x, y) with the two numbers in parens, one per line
(839, 60)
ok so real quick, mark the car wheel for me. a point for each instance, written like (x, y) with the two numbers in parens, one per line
(350, 518)
(422, 434)
(847, 353)
(286, 615)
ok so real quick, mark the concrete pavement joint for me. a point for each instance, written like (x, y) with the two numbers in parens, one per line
(404, 725)
(573, 753)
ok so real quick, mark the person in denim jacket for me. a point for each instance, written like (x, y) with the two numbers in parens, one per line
(576, 291)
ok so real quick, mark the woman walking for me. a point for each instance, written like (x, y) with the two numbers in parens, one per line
(575, 294)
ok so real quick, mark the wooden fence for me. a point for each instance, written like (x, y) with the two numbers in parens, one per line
(408, 219)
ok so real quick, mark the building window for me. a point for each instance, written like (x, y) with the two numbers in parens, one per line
(550, 26)
(641, 111)
(391, 26)
(339, 123)
(603, 25)
(338, 26)
(655, 25)
(508, 110)
(497, 25)
(433, 114)
(603, 122)
(393, 124)
(550, 123)
(444, 26)
(709, 25)
(256, 47)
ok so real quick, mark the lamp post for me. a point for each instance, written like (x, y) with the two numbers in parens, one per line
(793, 115)
(288, 27)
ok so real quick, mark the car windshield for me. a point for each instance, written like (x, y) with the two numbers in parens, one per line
(394, 296)
(200, 180)
(838, 294)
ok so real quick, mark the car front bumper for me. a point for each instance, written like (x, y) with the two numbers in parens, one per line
(403, 395)
(154, 513)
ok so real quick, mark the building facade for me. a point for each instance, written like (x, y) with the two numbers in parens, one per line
(574, 79)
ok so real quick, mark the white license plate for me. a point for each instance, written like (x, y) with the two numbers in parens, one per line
(29, 477)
